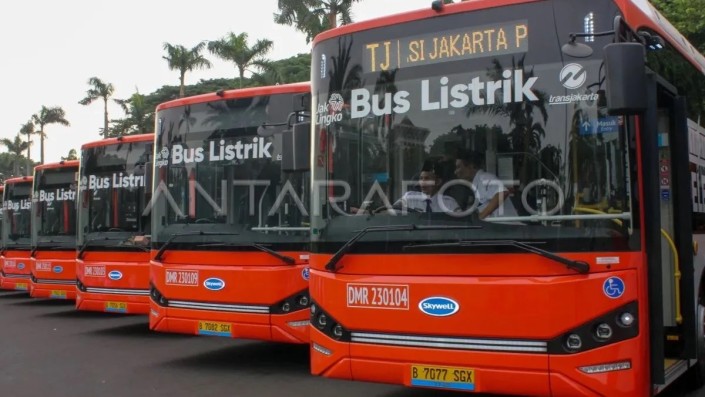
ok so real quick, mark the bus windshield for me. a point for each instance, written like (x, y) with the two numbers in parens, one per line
(17, 205)
(473, 118)
(218, 170)
(54, 201)
(115, 187)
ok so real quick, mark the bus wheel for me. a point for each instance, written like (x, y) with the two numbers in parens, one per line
(696, 377)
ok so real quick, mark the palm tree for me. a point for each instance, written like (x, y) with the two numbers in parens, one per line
(312, 17)
(185, 60)
(99, 89)
(46, 116)
(28, 129)
(234, 48)
(16, 147)
(140, 116)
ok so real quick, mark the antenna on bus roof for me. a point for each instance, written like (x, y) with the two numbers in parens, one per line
(437, 5)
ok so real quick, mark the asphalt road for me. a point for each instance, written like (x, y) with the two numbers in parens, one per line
(49, 349)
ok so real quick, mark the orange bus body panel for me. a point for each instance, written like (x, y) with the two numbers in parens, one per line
(252, 278)
(494, 303)
(127, 295)
(53, 275)
(16, 270)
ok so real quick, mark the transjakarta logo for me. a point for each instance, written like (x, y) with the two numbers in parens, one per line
(117, 181)
(214, 284)
(115, 275)
(512, 88)
(439, 306)
(330, 112)
(573, 76)
(258, 148)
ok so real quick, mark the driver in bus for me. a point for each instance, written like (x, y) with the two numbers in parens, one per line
(427, 198)
(492, 197)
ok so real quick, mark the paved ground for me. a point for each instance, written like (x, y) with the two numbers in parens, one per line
(49, 349)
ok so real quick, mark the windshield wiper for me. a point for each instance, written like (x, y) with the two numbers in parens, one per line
(173, 237)
(332, 264)
(89, 242)
(579, 266)
(289, 260)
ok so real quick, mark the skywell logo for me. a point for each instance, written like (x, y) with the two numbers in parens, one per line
(439, 306)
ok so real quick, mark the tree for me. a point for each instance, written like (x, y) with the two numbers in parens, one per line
(101, 90)
(687, 17)
(46, 116)
(312, 17)
(71, 156)
(185, 60)
(234, 48)
(28, 129)
(140, 116)
(15, 148)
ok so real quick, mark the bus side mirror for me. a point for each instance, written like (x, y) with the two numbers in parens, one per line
(625, 78)
(296, 144)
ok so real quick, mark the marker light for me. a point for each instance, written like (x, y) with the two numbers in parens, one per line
(321, 349)
(603, 331)
(626, 319)
(574, 342)
(313, 309)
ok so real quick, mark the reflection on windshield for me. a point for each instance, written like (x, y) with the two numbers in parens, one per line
(16, 222)
(115, 188)
(54, 201)
(519, 142)
(215, 171)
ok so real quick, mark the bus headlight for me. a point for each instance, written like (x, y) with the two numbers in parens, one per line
(603, 331)
(574, 342)
(626, 319)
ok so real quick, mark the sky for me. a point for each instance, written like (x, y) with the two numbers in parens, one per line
(51, 48)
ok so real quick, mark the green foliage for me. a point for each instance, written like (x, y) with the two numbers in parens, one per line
(312, 17)
(71, 156)
(687, 17)
(233, 47)
(99, 90)
(46, 116)
(185, 60)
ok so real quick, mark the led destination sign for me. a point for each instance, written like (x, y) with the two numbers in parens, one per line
(446, 46)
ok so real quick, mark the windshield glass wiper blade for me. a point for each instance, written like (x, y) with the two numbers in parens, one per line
(289, 260)
(173, 237)
(579, 266)
(332, 264)
(90, 242)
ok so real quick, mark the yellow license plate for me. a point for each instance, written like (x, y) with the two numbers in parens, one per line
(443, 377)
(214, 328)
(21, 287)
(57, 294)
(116, 307)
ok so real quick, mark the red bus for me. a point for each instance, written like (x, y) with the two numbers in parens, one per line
(16, 233)
(112, 260)
(505, 201)
(230, 223)
(2, 249)
(53, 253)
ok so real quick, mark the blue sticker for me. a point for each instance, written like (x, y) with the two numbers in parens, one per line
(20, 266)
(439, 306)
(115, 275)
(58, 269)
(306, 273)
(214, 284)
(613, 287)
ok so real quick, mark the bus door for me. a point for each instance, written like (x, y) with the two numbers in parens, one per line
(671, 276)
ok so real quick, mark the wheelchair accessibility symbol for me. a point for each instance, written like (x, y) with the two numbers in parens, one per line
(613, 287)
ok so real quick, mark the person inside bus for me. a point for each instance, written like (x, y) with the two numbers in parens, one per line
(490, 194)
(427, 198)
